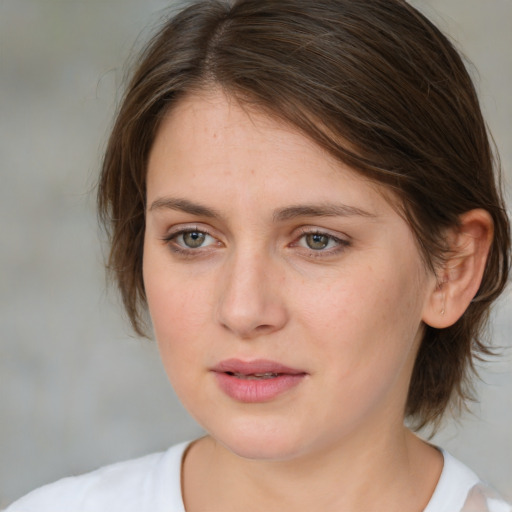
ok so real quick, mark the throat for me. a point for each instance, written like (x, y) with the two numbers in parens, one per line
(213, 475)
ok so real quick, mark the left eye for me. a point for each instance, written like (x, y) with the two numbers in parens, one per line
(318, 241)
(193, 239)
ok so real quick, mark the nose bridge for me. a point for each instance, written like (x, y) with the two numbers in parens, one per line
(249, 302)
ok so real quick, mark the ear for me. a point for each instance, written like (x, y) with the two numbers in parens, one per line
(460, 276)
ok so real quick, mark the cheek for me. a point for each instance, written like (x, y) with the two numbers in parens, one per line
(177, 322)
(176, 306)
(369, 343)
(177, 315)
(366, 319)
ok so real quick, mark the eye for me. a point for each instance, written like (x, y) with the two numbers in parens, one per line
(191, 239)
(319, 243)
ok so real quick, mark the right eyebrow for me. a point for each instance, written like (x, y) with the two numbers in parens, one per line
(183, 205)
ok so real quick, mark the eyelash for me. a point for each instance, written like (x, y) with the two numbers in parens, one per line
(341, 244)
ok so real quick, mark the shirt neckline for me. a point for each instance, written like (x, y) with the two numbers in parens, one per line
(450, 494)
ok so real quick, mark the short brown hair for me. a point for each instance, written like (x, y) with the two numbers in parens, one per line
(371, 81)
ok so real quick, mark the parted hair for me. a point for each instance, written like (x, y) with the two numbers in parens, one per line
(374, 83)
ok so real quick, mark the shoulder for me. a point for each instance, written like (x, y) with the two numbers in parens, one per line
(460, 490)
(147, 484)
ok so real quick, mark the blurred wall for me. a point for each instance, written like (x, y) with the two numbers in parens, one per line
(77, 390)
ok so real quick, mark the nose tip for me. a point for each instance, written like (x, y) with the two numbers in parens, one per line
(250, 305)
(247, 328)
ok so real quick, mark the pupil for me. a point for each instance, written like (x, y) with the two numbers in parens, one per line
(193, 239)
(317, 242)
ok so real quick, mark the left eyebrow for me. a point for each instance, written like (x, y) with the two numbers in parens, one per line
(320, 210)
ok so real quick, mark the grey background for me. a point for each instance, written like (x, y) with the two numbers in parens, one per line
(76, 389)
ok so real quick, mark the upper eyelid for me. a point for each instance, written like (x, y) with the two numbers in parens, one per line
(180, 229)
(313, 230)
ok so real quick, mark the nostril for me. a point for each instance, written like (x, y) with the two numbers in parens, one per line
(262, 328)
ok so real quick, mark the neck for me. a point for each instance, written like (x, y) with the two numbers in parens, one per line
(393, 470)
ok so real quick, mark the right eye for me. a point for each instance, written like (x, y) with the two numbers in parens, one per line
(192, 239)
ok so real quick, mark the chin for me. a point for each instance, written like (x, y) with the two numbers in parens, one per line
(259, 441)
(261, 449)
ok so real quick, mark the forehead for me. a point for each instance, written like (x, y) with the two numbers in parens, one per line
(216, 151)
(222, 121)
(212, 135)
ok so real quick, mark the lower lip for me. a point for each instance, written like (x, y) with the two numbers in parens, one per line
(257, 390)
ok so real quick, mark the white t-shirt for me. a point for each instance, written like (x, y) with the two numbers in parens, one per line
(153, 484)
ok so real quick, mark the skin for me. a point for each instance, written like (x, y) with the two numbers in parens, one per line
(350, 315)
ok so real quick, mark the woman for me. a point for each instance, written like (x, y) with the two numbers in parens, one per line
(302, 196)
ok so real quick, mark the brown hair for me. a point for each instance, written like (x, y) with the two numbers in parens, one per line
(371, 81)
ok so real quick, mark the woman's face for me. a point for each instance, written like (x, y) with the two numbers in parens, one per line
(286, 293)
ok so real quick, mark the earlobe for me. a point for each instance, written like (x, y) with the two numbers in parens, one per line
(459, 278)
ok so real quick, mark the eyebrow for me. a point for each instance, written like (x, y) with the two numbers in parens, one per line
(183, 205)
(320, 210)
(280, 215)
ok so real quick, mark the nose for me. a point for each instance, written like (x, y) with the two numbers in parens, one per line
(252, 300)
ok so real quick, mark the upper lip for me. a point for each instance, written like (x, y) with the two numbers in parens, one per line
(255, 366)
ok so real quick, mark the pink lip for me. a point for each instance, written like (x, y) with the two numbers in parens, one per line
(236, 379)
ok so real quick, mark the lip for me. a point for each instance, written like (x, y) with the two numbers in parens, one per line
(243, 380)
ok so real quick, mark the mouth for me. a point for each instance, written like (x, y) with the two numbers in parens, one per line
(256, 381)
(254, 376)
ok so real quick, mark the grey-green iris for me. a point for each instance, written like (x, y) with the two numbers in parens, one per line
(193, 239)
(317, 241)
